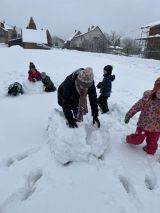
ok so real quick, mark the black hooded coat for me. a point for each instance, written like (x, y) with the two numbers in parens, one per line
(68, 97)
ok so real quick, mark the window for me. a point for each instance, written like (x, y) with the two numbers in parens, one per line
(95, 38)
(2, 34)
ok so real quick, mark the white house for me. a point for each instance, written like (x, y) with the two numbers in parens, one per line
(93, 40)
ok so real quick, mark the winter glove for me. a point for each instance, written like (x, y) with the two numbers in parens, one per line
(33, 80)
(72, 123)
(126, 120)
(99, 85)
(113, 77)
(95, 119)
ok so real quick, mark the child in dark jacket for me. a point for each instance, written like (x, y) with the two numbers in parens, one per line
(105, 88)
(47, 83)
(15, 89)
(34, 74)
(148, 126)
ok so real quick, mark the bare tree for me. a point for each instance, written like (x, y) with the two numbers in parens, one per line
(114, 39)
(130, 46)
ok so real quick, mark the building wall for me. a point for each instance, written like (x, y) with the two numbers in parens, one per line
(3, 36)
(92, 35)
(154, 30)
(29, 45)
(9, 34)
(34, 46)
(59, 43)
(153, 44)
(153, 48)
(92, 41)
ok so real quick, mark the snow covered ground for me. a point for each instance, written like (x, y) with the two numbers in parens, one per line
(34, 140)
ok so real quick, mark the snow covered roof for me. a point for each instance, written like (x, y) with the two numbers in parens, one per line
(4, 29)
(72, 36)
(8, 27)
(78, 33)
(149, 37)
(90, 30)
(34, 36)
(151, 24)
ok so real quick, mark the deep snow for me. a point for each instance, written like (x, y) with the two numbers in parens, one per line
(34, 139)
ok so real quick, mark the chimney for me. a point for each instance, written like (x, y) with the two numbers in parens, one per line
(2, 24)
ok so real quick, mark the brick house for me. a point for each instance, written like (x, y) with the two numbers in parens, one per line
(150, 40)
(5, 32)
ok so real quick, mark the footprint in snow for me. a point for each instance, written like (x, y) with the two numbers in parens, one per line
(30, 187)
(150, 181)
(128, 187)
(20, 157)
(25, 192)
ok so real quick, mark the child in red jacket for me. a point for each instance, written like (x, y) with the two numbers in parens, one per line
(148, 126)
(34, 74)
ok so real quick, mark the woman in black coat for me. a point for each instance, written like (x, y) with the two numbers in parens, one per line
(72, 96)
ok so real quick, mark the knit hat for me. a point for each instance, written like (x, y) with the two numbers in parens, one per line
(109, 69)
(156, 85)
(43, 74)
(147, 93)
(85, 77)
(31, 65)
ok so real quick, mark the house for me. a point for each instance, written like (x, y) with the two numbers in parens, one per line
(9, 33)
(34, 39)
(58, 42)
(27, 38)
(5, 32)
(93, 40)
(68, 42)
(150, 40)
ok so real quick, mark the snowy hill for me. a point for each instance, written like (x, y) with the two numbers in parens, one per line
(124, 180)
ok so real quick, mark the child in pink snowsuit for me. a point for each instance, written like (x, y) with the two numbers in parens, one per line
(148, 126)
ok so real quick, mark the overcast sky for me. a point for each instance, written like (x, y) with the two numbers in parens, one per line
(62, 17)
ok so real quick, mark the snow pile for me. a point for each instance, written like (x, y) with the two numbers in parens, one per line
(33, 88)
(78, 144)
